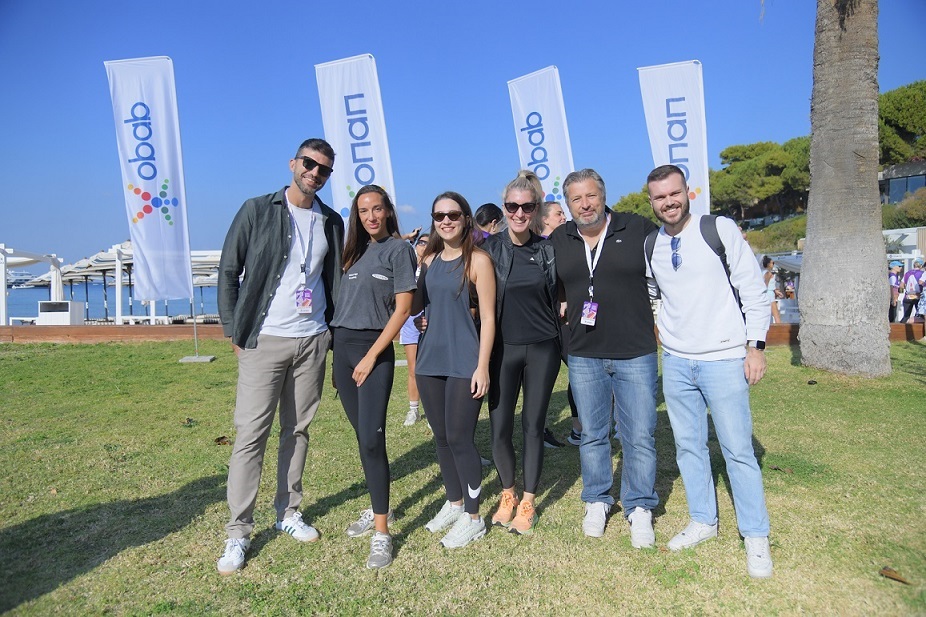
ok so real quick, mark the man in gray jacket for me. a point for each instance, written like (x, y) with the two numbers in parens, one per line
(288, 245)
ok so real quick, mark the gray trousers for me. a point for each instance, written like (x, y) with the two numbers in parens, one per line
(285, 371)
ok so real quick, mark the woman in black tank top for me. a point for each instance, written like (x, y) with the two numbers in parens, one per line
(453, 360)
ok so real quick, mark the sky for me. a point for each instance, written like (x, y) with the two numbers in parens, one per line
(247, 94)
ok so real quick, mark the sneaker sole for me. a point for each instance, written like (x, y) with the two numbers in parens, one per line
(306, 540)
(690, 545)
(640, 545)
(525, 532)
(473, 539)
(230, 572)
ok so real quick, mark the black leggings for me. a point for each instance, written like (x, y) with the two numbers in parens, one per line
(909, 308)
(366, 406)
(536, 367)
(452, 413)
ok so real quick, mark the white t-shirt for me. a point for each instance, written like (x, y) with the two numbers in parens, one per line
(308, 246)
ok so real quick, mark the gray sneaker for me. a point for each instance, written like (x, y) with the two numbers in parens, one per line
(758, 557)
(233, 558)
(596, 514)
(693, 535)
(464, 531)
(641, 528)
(445, 519)
(380, 551)
(364, 524)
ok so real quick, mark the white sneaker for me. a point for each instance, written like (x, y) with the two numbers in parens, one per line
(445, 519)
(596, 514)
(693, 535)
(411, 417)
(364, 524)
(233, 557)
(294, 526)
(465, 530)
(641, 528)
(758, 557)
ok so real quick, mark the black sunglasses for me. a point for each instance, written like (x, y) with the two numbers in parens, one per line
(513, 207)
(453, 216)
(309, 163)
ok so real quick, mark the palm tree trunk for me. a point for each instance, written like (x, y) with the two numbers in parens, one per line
(844, 292)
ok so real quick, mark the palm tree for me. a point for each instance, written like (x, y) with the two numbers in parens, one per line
(844, 292)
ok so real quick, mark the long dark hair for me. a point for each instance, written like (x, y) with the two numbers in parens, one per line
(357, 237)
(436, 243)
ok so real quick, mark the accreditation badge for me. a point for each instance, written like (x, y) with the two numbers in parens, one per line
(589, 313)
(304, 301)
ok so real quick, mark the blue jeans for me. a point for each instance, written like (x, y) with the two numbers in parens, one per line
(690, 386)
(632, 384)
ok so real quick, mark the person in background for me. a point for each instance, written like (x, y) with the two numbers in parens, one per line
(288, 246)
(550, 217)
(771, 288)
(526, 354)
(912, 290)
(408, 337)
(456, 288)
(712, 352)
(377, 288)
(489, 220)
(893, 280)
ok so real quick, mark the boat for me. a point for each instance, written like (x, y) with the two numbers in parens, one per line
(17, 279)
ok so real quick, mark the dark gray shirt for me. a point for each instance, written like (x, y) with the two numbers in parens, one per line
(368, 288)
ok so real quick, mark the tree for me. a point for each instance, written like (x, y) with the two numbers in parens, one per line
(843, 293)
(902, 123)
(638, 203)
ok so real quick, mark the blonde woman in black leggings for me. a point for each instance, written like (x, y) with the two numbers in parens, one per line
(527, 351)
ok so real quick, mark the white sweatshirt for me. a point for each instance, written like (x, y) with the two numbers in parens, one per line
(700, 319)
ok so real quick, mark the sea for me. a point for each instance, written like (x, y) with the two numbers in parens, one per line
(24, 302)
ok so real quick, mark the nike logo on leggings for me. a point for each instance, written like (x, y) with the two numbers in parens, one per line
(474, 493)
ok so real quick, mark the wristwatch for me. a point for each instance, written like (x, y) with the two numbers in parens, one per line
(760, 345)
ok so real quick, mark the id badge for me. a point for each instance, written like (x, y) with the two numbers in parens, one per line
(304, 301)
(589, 313)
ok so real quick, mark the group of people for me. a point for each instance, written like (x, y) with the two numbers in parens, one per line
(907, 291)
(497, 317)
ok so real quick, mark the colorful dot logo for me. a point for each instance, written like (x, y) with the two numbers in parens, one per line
(692, 195)
(154, 203)
(556, 194)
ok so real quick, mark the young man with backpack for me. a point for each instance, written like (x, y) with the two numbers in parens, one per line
(912, 290)
(712, 326)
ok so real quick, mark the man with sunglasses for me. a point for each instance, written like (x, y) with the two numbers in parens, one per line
(711, 355)
(612, 352)
(288, 245)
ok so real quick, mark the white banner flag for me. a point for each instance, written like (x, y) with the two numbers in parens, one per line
(352, 115)
(541, 130)
(148, 136)
(673, 102)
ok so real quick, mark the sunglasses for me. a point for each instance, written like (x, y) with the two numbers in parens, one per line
(676, 258)
(440, 216)
(527, 208)
(422, 242)
(309, 163)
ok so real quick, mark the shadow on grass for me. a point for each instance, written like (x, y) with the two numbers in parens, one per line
(48, 551)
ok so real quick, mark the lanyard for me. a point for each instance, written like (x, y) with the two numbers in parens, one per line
(592, 263)
(304, 247)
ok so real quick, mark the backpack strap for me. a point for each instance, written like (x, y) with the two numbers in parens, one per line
(710, 235)
(649, 244)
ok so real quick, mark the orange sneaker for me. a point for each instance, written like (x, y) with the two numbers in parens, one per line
(506, 506)
(523, 523)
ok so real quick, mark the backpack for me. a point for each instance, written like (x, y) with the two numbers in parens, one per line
(709, 233)
(912, 287)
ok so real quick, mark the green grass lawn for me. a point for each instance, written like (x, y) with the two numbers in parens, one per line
(112, 500)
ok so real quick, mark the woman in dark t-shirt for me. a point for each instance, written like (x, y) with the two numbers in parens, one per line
(376, 294)
(527, 350)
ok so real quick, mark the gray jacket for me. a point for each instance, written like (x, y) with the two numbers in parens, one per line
(258, 244)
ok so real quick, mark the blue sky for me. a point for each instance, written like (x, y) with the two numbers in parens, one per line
(247, 93)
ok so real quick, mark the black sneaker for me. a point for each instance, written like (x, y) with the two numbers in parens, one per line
(549, 441)
(574, 438)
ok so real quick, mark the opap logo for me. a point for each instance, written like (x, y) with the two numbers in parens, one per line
(145, 162)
